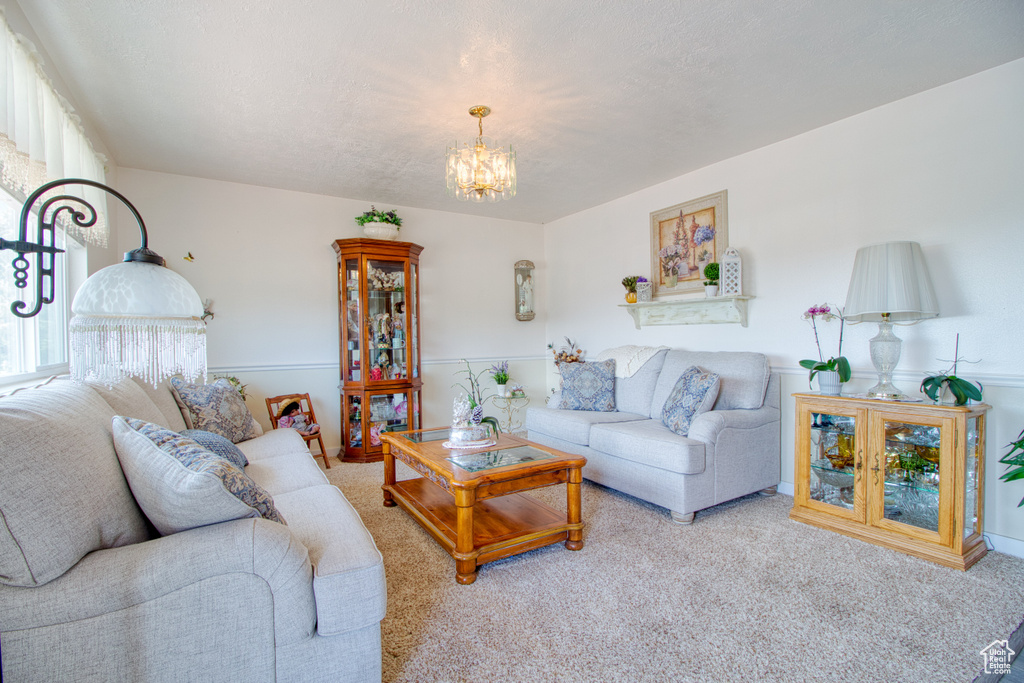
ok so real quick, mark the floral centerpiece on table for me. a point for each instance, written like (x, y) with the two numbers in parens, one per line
(836, 363)
(375, 215)
(475, 400)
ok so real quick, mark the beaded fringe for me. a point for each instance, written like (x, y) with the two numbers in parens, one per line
(110, 348)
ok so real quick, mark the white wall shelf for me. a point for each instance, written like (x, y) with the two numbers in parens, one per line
(719, 309)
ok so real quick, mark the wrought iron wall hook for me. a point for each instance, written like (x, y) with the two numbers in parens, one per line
(43, 246)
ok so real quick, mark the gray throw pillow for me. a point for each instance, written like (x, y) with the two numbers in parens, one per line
(694, 393)
(179, 484)
(219, 445)
(588, 386)
(216, 408)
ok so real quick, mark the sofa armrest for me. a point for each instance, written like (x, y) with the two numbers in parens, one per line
(707, 426)
(106, 581)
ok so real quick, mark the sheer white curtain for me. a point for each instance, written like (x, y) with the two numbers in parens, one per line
(40, 138)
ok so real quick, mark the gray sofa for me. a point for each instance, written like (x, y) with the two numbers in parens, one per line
(731, 451)
(90, 592)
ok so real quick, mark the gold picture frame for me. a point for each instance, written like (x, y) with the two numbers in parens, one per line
(685, 238)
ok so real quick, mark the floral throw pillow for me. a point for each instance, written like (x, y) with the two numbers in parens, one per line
(216, 408)
(179, 484)
(694, 393)
(588, 386)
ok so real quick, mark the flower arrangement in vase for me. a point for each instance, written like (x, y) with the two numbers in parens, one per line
(671, 257)
(630, 282)
(378, 224)
(476, 398)
(499, 373)
(948, 389)
(570, 353)
(837, 366)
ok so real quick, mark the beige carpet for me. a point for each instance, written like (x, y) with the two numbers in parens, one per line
(742, 594)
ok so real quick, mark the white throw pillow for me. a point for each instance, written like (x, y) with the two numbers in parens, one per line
(179, 484)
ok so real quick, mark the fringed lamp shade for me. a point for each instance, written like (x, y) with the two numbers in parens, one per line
(137, 319)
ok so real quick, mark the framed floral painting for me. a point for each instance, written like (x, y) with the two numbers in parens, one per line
(685, 238)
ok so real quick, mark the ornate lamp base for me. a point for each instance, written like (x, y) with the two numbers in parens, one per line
(885, 354)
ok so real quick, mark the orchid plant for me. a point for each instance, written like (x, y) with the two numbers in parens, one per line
(836, 363)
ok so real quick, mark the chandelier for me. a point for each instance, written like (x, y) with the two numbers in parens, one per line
(482, 171)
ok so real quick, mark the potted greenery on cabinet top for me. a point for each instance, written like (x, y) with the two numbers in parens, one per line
(379, 225)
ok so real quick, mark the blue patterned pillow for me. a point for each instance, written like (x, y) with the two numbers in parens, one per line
(588, 386)
(219, 445)
(694, 393)
(216, 408)
(179, 484)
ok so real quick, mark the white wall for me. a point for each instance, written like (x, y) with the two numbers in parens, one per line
(265, 258)
(943, 168)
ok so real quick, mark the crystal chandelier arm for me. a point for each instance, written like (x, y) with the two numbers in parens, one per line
(44, 242)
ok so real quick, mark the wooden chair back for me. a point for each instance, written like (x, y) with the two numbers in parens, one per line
(274, 404)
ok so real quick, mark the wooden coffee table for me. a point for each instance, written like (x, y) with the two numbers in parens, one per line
(475, 506)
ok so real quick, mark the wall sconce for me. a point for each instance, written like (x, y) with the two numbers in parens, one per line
(136, 318)
(524, 290)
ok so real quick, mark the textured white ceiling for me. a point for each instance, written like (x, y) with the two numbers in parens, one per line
(357, 98)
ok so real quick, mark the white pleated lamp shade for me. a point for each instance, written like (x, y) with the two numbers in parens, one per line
(137, 320)
(891, 279)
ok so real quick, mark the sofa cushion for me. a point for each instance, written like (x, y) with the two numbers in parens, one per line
(127, 398)
(588, 386)
(272, 444)
(216, 408)
(744, 377)
(695, 392)
(62, 492)
(163, 398)
(179, 484)
(572, 425)
(286, 472)
(649, 442)
(633, 394)
(218, 444)
(348, 570)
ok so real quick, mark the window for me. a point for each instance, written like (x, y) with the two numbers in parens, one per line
(33, 346)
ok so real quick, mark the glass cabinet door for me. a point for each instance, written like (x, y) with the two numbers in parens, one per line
(390, 412)
(386, 321)
(973, 475)
(350, 323)
(833, 458)
(911, 477)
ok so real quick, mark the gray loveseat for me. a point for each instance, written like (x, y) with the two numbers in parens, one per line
(89, 591)
(731, 451)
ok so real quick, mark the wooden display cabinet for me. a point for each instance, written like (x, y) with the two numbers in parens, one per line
(378, 319)
(907, 476)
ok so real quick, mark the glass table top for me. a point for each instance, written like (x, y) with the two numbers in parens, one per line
(492, 459)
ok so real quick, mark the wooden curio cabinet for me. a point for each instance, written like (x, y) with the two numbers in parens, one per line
(378, 317)
(907, 476)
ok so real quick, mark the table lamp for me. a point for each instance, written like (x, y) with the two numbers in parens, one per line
(890, 285)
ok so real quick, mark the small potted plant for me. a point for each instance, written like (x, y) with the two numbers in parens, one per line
(711, 279)
(379, 225)
(629, 282)
(835, 371)
(499, 373)
(1015, 461)
(947, 389)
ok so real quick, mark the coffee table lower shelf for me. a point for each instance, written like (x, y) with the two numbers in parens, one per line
(501, 527)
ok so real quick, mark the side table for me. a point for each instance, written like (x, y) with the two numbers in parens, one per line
(511, 405)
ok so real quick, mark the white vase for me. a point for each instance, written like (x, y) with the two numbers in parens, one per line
(503, 390)
(380, 231)
(710, 291)
(829, 384)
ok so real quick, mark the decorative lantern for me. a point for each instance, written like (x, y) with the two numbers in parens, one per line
(731, 274)
(643, 291)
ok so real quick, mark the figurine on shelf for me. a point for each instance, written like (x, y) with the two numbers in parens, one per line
(375, 432)
(376, 374)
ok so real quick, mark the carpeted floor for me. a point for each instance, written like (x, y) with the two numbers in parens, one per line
(742, 594)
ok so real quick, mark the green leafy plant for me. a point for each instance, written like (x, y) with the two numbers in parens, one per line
(499, 372)
(836, 363)
(374, 215)
(711, 274)
(1015, 460)
(476, 395)
(961, 389)
(629, 282)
